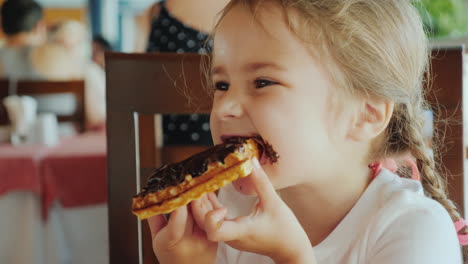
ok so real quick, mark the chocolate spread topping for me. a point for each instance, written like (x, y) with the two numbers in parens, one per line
(173, 174)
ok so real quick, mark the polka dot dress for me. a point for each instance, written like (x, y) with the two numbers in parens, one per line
(168, 34)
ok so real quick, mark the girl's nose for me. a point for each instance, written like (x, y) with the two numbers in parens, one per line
(228, 105)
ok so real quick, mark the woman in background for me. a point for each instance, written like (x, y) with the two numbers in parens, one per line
(180, 26)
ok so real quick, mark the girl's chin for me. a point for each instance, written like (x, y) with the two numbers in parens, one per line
(244, 186)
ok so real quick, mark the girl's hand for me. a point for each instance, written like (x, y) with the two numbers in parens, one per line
(180, 240)
(271, 229)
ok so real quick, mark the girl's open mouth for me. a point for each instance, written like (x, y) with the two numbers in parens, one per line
(267, 154)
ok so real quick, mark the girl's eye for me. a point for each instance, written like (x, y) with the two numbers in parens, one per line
(260, 83)
(221, 86)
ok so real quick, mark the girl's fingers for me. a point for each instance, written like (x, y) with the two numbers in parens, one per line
(178, 223)
(200, 208)
(220, 229)
(214, 201)
(266, 193)
(156, 223)
(198, 231)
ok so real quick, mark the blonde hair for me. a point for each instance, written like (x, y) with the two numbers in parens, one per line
(377, 49)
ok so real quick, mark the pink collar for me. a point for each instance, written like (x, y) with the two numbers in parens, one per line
(391, 165)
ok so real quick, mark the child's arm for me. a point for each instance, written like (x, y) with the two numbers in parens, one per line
(271, 229)
(180, 240)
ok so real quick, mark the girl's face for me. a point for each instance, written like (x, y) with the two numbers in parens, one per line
(268, 83)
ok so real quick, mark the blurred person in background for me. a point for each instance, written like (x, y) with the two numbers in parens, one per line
(66, 56)
(22, 23)
(100, 47)
(176, 25)
(179, 26)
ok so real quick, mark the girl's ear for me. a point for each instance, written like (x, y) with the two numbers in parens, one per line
(371, 120)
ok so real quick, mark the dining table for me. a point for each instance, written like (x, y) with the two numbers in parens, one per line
(74, 173)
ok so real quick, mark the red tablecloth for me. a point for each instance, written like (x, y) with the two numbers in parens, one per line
(74, 173)
(19, 167)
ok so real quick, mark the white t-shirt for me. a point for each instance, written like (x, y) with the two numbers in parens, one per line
(392, 222)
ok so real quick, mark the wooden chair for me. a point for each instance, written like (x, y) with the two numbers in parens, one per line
(37, 88)
(446, 97)
(140, 86)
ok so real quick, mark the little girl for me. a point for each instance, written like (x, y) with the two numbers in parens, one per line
(336, 87)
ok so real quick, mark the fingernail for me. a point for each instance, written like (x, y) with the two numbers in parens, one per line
(218, 219)
(256, 163)
(219, 224)
(218, 215)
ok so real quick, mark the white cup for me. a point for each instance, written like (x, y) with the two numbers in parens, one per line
(22, 113)
(45, 130)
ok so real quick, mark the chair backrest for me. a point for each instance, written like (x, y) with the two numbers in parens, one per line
(46, 88)
(140, 86)
(446, 98)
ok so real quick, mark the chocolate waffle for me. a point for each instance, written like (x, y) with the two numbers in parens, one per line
(175, 185)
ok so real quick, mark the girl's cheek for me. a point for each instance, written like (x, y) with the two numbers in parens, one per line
(214, 130)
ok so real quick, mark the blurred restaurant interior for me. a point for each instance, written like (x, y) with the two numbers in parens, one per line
(53, 147)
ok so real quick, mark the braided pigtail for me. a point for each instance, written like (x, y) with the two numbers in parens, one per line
(405, 135)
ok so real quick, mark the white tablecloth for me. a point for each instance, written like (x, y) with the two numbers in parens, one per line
(70, 235)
